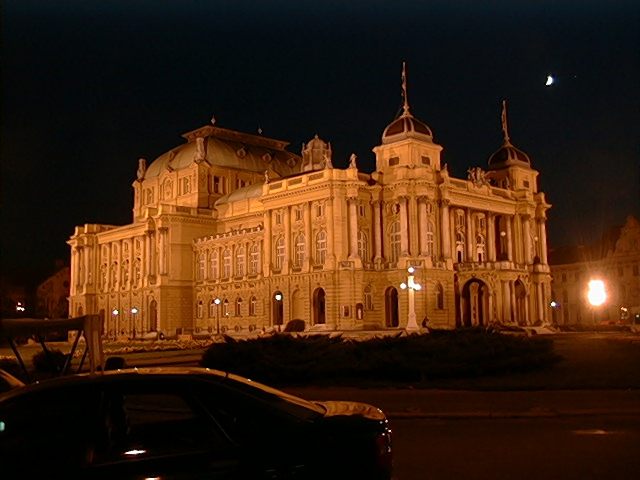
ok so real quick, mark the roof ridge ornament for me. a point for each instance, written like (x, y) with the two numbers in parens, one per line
(405, 98)
(505, 126)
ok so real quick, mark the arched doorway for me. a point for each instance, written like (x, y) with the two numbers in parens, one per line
(79, 311)
(475, 303)
(153, 316)
(319, 307)
(521, 303)
(278, 308)
(391, 307)
(297, 306)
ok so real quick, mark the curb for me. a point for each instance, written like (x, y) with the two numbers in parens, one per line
(417, 415)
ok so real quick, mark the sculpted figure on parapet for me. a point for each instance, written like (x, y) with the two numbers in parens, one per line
(477, 176)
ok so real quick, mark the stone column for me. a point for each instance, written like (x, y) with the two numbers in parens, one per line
(541, 302)
(469, 232)
(307, 235)
(353, 227)
(87, 266)
(74, 271)
(543, 240)
(331, 255)
(404, 227)
(512, 302)
(509, 238)
(526, 233)
(266, 245)
(491, 236)
(287, 240)
(413, 222)
(377, 219)
(163, 250)
(422, 225)
(506, 299)
(446, 230)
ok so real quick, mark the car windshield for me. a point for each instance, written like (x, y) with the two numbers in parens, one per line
(296, 406)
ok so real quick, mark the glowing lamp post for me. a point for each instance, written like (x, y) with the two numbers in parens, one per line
(596, 295)
(115, 312)
(217, 302)
(411, 286)
(134, 317)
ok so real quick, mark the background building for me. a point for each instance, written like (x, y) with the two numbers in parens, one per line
(232, 231)
(52, 295)
(615, 260)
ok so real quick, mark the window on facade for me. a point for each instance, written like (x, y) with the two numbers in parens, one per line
(319, 210)
(199, 309)
(368, 298)
(279, 217)
(125, 273)
(200, 267)
(460, 247)
(226, 263)
(240, 259)
(185, 185)
(394, 161)
(363, 246)
(459, 219)
(217, 184)
(279, 257)
(395, 241)
(212, 309)
(425, 160)
(240, 183)
(300, 247)
(137, 275)
(480, 245)
(254, 259)
(439, 297)
(362, 211)
(238, 307)
(253, 306)
(213, 265)
(298, 214)
(429, 238)
(225, 308)
(321, 247)
(525, 183)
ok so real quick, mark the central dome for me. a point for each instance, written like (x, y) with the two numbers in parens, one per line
(406, 126)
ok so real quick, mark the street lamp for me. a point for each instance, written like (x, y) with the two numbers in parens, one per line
(411, 286)
(134, 312)
(217, 302)
(115, 312)
(596, 295)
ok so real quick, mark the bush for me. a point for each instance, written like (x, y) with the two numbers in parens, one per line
(285, 360)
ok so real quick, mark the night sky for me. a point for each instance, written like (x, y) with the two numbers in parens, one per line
(88, 87)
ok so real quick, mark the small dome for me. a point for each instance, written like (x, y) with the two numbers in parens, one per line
(406, 126)
(508, 155)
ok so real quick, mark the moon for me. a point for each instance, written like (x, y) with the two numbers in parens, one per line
(550, 80)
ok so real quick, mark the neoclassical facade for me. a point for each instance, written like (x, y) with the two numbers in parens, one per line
(231, 232)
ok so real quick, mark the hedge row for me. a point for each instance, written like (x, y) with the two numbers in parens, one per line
(289, 360)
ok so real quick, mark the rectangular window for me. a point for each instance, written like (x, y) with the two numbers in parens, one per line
(319, 210)
(361, 210)
(526, 183)
(298, 214)
(425, 160)
(394, 161)
(278, 218)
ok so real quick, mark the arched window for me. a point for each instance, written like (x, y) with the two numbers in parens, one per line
(439, 297)
(253, 306)
(480, 248)
(240, 257)
(212, 309)
(254, 259)
(368, 298)
(300, 248)
(429, 238)
(213, 265)
(199, 309)
(460, 247)
(125, 273)
(200, 267)
(395, 241)
(238, 307)
(363, 246)
(226, 263)
(321, 247)
(225, 308)
(279, 257)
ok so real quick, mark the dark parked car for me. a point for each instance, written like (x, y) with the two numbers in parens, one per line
(185, 423)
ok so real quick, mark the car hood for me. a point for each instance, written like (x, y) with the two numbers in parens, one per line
(344, 408)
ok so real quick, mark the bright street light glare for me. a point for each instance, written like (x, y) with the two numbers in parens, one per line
(596, 293)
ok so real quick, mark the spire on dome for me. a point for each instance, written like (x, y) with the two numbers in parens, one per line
(405, 105)
(505, 127)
